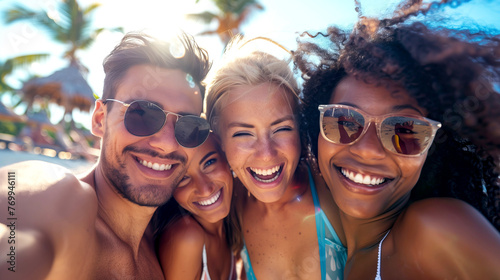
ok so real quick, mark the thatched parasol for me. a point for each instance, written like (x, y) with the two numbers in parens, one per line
(40, 119)
(66, 87)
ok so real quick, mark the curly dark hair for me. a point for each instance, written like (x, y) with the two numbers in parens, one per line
(453, 74)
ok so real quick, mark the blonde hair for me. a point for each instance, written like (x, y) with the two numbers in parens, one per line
(241, 68)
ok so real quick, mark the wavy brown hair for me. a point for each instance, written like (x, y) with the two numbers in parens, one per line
(452, 73)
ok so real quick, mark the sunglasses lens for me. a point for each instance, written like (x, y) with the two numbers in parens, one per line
(144, 118)
(341, 125)
(405, 135)
(399, 134)
(191, 131)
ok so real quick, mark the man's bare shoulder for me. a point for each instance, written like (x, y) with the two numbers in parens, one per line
(43, 191)
(35, 176)
(49, 208)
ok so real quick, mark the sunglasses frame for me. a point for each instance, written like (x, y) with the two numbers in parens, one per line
(377, 120)
(179, 116)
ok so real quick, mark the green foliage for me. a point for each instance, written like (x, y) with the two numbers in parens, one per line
(18, 62)
(12, 128)
(73, 26)
(234, 6)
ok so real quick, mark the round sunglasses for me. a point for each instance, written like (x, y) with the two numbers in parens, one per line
(400, 134)
(145, 118)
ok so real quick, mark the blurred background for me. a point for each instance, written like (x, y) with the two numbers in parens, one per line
(52, 51)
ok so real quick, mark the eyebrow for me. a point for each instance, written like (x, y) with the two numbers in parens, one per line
(160, 105)
(207, 156)
(280, 120)
(396, 108)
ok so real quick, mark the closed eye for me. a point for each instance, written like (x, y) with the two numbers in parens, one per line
(240, 134)
(284, 128)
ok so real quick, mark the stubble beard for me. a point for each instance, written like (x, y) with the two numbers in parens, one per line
(149, 195)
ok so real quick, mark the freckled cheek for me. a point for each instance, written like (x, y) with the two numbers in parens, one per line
(236, 153)
(287, 144)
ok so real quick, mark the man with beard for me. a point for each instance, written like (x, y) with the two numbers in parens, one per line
(57, 226)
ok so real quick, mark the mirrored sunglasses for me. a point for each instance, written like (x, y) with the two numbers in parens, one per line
(400, 134)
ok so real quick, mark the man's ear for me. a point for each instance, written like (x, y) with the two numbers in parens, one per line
(98, 119)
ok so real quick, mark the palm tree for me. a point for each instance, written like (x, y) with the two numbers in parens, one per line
(10, 65)
(232, 14)
(70, 26)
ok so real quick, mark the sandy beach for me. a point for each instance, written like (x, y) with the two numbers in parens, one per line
(76, 166)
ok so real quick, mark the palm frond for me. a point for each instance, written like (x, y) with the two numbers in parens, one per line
(39, 18)
(18, 12)
(26, 60)
(88, 41)
(205, 17)
(91, 8)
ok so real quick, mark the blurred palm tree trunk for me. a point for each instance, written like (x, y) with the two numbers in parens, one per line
(232, 14)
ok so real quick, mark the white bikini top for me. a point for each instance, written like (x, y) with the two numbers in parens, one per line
(204, 273)
(377, 277)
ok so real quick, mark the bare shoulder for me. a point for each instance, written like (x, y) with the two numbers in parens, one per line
(180, 249)
(36, 176)
(442, 215)
(48, 209)
(449, 238)
(42, 190)
(185, 230)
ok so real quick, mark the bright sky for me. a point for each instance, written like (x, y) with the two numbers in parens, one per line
(280, 20)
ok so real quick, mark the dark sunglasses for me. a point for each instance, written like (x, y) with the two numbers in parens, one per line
(400, 134)
(145, 118)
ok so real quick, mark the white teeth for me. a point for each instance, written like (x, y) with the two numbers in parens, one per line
(269, 180)
(211, 200)
(265, 172)
(367, 180)
(155, 166)
(360, 179)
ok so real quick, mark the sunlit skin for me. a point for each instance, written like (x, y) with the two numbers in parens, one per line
(258, 130)
(207, 176)
(119, 192)
(123, 152)
(206, 192)
(433, 238)
(96, 226)
(260, 133)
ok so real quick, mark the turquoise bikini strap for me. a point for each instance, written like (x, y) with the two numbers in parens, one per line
(320, 229)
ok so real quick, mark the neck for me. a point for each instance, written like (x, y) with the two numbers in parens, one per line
(216, 229)
(364, 234)
(126, 220)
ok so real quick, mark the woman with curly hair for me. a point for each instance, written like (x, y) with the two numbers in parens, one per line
(385, 91)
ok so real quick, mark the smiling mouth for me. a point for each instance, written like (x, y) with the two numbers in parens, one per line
(266, 175)
(363, 179)
(154, 165)
(211, 200)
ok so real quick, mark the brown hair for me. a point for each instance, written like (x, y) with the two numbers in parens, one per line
(140, 48)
